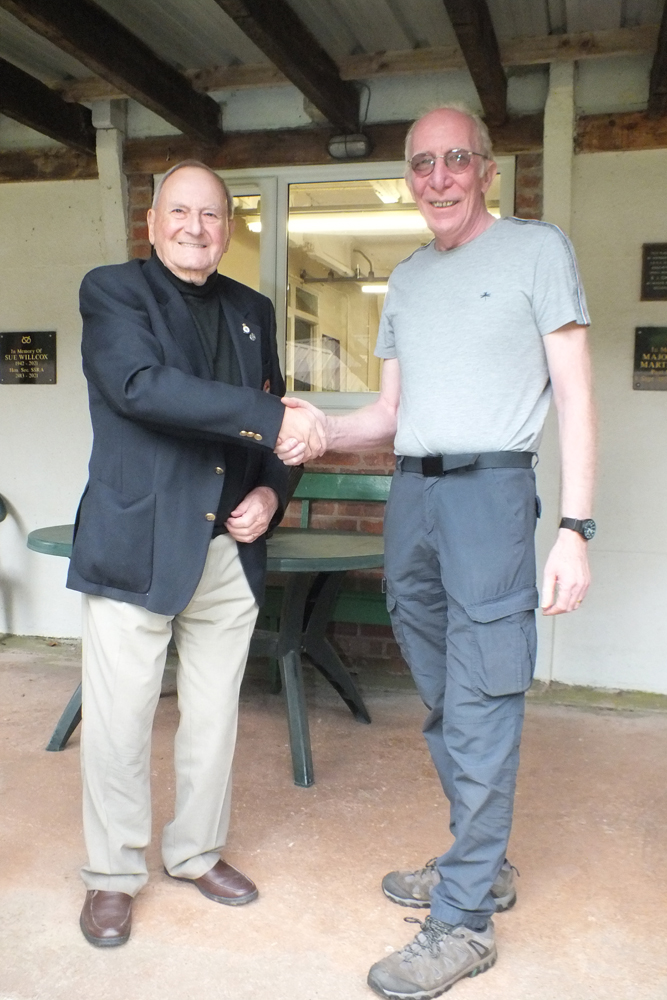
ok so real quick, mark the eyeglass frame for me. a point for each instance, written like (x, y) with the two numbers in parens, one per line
(443, 156)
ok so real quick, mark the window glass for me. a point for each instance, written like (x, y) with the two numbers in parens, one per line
(241, 261)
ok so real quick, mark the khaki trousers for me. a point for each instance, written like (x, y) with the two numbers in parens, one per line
(124, 653)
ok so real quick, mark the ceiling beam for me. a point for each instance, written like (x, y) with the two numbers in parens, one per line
(476, 35)
(19, 165)
(657, 94)
(622, 133)
(101, 43)
(306, 146)
(514, 52)
(275, 29)
(32, 103)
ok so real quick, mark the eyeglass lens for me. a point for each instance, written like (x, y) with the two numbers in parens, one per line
(456, 160)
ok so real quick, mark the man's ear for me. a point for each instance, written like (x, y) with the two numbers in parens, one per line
(489, 174)
(230, 232)
(150, 218)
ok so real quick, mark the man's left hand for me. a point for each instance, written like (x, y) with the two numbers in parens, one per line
(567, 576)
(253, 515)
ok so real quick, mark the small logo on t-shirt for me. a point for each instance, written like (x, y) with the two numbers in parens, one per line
(485, 295)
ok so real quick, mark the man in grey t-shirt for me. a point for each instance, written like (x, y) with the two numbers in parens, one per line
(479, 328)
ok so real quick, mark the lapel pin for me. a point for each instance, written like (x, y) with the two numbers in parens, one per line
(246, 328)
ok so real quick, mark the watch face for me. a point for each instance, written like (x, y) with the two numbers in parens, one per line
(588, 529)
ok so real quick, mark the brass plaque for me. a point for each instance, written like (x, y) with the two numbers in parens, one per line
(654, 272)
(28, 358)
(650, 358)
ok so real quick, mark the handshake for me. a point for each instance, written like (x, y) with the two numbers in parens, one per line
(302, 433)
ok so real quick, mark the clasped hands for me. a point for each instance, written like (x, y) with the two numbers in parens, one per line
(302, 433)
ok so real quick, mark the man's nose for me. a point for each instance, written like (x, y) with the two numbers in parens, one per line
(194, 223)
(441, 176)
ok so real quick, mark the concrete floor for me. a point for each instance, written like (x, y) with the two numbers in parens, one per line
(589, 841)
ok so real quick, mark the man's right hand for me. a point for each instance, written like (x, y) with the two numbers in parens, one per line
(302, 433)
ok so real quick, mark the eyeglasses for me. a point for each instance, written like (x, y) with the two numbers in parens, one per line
(456, 160)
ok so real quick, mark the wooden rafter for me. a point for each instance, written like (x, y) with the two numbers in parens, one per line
(513, 52)
(626, 132)
(476, 35)
(101, 43)
(275, 29)
(32, 103)
(657, 98)
(306, 146)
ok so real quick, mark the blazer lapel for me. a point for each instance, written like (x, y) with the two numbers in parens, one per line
(246, 337)
(178, 318)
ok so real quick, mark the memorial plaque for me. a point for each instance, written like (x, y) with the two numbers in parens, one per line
(650, 358)
(28, 358)
(654, 272)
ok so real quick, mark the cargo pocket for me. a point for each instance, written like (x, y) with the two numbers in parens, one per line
(506, 642)
(114, 541)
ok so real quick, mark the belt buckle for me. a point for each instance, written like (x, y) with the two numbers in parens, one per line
(432, 466)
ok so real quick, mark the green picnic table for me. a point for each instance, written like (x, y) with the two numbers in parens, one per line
(314, 563)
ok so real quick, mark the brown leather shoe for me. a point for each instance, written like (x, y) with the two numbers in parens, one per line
(224, 884)
(106, 917)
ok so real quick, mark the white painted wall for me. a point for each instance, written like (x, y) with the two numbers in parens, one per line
(51, 236)
(618, 638)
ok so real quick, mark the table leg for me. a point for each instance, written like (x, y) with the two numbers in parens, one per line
(289, 657)
(321, 652)
(67, 723)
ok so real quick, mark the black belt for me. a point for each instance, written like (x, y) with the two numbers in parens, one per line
(440, 465)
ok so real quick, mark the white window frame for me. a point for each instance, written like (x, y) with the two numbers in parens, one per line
(272, 185)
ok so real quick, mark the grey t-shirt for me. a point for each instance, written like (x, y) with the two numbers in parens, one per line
(466, 326)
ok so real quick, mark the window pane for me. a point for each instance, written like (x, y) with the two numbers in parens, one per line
(241, 261)
(344, 240)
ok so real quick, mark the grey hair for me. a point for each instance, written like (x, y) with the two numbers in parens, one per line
(483, 139)
(201, 166)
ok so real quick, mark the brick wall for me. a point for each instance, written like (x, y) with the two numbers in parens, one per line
(140, 196)
(528, 186)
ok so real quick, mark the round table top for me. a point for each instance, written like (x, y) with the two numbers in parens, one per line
(290, 550)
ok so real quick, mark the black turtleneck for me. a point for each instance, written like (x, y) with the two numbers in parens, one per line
(205, 305)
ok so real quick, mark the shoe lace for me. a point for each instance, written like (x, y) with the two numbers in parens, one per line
(429, 936)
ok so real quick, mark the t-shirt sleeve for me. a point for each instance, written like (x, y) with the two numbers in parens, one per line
(558, 295)
(386, 342)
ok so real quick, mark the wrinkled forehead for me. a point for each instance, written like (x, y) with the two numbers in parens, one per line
(192, 187)
(441, 131)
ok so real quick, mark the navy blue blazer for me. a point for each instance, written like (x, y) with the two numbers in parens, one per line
(160, 423)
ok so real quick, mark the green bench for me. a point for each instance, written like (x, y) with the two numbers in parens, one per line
(362, 607)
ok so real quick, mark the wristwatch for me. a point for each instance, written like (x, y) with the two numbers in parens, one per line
(585, 528)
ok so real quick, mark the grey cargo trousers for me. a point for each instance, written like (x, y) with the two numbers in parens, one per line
(460, 571)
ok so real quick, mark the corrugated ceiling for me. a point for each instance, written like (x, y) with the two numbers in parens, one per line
(193, 34)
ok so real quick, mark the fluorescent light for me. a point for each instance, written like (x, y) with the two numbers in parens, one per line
(376, 289)
(351, 223)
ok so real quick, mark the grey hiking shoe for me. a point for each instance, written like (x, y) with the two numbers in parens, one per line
(437, 958)
(414, 888)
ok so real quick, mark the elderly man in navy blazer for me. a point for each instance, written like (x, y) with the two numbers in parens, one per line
(170, 539)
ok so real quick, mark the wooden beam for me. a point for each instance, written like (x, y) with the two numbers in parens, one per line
(46, 165)
(627, 132)
(305, 146)
(515, 52)
(102, 44)
(203, 80)
(32, 103)
(476, 35)
(275, 29)
(657, 95)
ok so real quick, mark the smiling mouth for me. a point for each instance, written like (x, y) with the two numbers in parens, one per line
(443, 204)
(198, 246)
